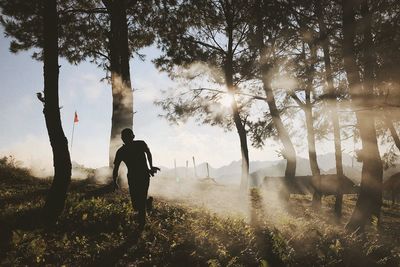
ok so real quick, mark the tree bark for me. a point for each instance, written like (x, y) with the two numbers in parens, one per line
(240, 127)
(312, 154)
(393, 132)
(338, 160)
(122, 94)
(289, 151)
(369, 201)
(57, 194)
(332, 104)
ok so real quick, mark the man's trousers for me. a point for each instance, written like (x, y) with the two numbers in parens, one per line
(138, 187)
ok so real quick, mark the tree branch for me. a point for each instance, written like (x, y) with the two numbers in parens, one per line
(86, 11)
(204, 44)
(297, 100)
(213, 37)
(225, 92)
(241, 38)
(100, 54)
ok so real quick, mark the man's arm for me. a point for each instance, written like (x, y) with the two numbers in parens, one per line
(117, 162)
(149, 156)
(153, 169)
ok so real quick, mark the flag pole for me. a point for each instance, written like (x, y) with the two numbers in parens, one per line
(72, 137)
(73, 129)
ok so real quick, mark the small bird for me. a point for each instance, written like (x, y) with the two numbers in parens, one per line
(40, 96)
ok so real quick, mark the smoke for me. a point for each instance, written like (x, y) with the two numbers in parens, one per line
(33, 153)
(219, 195)
(121, 91)
(226, 200)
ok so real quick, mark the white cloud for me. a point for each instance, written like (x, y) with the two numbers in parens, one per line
(87, 85)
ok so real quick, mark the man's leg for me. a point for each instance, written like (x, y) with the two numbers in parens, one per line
(132, 195)
(140, 197)
(149, 204)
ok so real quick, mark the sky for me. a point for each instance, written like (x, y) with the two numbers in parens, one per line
(24, 135)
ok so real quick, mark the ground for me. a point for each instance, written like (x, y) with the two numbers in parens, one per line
(184, 231)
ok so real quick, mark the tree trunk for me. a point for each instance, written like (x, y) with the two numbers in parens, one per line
(338, 160)
(289, 152)
(390, 126)
(122, 105)
(311, 142)
(332, 104)
(57, 194)
(240, 127)
(312, 154)
(369, 201)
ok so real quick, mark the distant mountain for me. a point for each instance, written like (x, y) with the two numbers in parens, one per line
(327, 161)
(231, 173)
(353, 173)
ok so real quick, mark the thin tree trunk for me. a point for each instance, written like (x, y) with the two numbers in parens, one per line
(289, 151)
(332, 104)
(393, 132)
(338, 160)
(122, 106)
(57, 194)
(369, 79)
(311, 142)
(265, 68)
(369, 201)
(307, 108)
(241, 132)
(312, 154)
(240, 127)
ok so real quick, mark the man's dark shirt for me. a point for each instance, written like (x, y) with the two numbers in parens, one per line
(133, 155)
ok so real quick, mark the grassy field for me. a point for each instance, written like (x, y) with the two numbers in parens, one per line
(183, 231)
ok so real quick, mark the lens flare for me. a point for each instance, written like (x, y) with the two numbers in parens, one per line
(226, 100)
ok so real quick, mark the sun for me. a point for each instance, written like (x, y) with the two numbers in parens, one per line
(226, 100)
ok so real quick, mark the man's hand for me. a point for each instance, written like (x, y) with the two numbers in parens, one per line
(153, 171)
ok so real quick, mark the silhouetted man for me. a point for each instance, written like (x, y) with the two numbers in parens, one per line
(133, 153)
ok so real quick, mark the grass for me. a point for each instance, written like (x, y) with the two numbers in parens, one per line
(100, 231)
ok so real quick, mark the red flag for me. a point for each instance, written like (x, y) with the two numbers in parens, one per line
(76, 118)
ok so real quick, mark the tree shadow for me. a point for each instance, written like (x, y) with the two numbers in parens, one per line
(24, 220)
(22, 197)
(112, 256)
(99, 191)
(263, 237)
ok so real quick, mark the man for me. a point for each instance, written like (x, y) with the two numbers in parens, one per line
(133, 153)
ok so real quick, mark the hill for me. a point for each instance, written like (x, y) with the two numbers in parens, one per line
(230, 174)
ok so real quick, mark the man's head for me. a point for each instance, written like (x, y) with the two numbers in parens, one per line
(127, 135)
